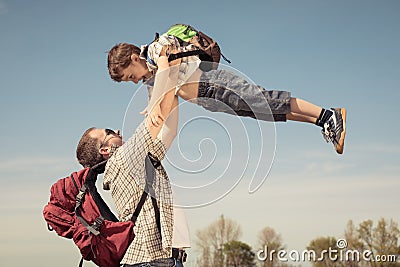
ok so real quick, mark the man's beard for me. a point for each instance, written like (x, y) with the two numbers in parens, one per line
(113, 148)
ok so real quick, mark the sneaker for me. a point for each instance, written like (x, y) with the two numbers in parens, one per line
(335, 129)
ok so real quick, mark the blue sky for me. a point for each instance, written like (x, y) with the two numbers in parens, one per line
(54, 85)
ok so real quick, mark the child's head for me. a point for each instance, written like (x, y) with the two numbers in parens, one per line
(119, 58)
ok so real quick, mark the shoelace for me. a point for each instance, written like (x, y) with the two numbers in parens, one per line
(328, 134)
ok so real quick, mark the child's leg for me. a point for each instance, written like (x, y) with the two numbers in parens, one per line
(302, 107)
(332, 121)
(223, 91)
(232, 94)
(304, 111)
(300, 118)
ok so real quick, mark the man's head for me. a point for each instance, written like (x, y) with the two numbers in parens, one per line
(124, 64)
(95, 146)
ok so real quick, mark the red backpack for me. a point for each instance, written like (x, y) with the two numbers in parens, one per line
(76, 210)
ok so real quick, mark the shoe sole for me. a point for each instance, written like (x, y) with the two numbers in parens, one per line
(340, 146)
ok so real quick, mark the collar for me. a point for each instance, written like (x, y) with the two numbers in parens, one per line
(143, 51)
(143, 55)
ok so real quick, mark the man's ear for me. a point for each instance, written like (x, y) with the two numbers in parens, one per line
(105, 151)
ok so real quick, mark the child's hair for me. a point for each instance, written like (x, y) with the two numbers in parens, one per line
(119, 57)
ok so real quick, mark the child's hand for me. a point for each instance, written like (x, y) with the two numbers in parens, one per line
(143, 112)
(155, 116)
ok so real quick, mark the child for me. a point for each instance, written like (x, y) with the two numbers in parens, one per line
(216, 90)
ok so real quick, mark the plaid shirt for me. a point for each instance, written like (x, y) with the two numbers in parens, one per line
(125, 176)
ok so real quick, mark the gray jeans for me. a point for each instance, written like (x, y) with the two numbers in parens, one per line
(224, 91)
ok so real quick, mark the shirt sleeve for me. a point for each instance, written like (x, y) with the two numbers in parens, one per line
(132, 154)
(155, 147)
(143, 138)
(155, 48)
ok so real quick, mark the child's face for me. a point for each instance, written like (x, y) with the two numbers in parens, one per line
(135, 72)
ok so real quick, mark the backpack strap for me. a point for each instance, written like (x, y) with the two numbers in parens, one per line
(172, 57)
(94, 228)
(99, 168)
(151, 163)
(89, 185)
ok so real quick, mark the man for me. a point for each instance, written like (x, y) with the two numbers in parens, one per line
(125, 176)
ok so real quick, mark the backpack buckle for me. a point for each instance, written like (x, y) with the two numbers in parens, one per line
(80, 196)
(94, 228)
(98, 222)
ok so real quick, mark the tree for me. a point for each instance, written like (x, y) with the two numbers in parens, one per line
(270, 241)
(324, 252)
(212, 239)
(386, 237)
(354, 244)
(238, 254)
(382, 241)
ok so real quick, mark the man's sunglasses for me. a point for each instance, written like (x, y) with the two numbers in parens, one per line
(109, 132)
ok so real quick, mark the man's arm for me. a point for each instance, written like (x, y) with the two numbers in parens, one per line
(165, 80)
(170, 128)
(165, 104)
